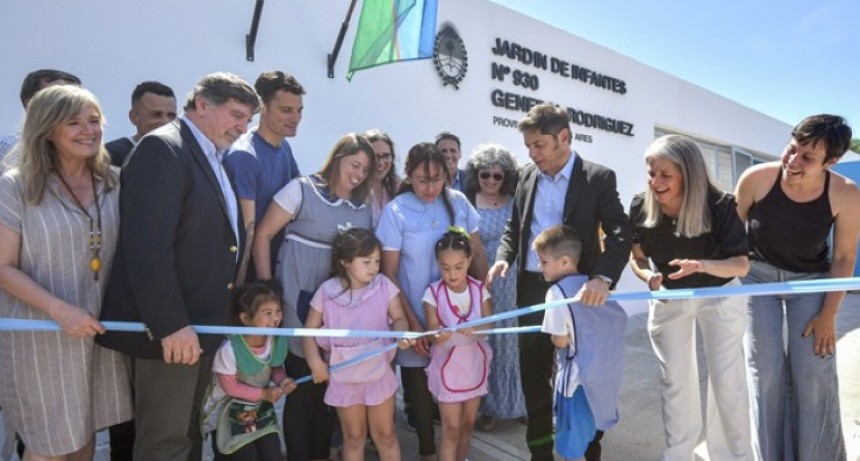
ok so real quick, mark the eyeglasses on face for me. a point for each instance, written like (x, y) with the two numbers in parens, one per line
(385, 158)
(487, 174)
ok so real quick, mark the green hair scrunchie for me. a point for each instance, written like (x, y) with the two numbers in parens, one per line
(459, 230)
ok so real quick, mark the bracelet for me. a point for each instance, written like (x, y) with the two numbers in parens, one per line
(651, 279)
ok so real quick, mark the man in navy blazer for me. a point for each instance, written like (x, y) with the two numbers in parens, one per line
(560, 187)
(176, 262)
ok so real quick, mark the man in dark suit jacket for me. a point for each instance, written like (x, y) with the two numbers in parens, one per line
(152, 105)
(176, 262)
(559, 187)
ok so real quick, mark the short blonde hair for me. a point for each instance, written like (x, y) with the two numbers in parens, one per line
(49, 109)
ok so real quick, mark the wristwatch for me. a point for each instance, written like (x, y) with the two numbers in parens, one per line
(604, 278)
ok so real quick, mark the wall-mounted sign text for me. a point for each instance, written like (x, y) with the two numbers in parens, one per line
(538, 60)
(529, 80)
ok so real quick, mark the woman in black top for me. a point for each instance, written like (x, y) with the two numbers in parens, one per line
(686, 233)
(791, 207)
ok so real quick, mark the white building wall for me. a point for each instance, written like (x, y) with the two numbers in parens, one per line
(113, 45)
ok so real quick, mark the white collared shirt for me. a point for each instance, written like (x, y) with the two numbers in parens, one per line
(548, 206)
(214, 158)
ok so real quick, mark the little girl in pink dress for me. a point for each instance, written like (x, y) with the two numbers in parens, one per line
(459, 361)
(357, 297)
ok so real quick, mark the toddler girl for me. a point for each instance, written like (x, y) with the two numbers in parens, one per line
(239, 403)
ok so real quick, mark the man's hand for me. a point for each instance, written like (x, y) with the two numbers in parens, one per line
(594, 292)
(499, 269)
(181, 347)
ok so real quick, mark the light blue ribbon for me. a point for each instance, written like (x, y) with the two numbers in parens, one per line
(359, 358)
(789, 288)
(137, 327)
(761, 289)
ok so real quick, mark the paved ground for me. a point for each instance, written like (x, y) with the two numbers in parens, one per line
(639, 434)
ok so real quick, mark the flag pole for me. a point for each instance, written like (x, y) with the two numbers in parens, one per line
(251, 37)
(332, 57)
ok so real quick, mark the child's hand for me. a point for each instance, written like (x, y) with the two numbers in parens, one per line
(272, 394)
(442, 336)
(560, 341)
(319, 371)
(469, 331)
(405, 343)
(288, 385)
(655, 282)
(422, 346)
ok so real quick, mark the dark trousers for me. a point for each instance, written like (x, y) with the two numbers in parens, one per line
(122, 441)
(308, 421)
(420, 407)
(537, 355)
(167, 401)
(267, 448)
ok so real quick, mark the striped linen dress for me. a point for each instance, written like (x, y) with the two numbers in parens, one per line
(56, 390)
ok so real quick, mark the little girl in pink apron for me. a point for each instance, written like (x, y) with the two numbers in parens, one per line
(357, 297)
(459, 360)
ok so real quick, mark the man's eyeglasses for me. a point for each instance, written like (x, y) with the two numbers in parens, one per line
(487, 174)
(385, 158)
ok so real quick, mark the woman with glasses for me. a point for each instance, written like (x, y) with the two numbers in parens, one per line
(491, 179)
(384, 180)
(410, 225)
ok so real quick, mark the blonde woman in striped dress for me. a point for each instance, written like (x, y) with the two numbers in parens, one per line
(59, 219)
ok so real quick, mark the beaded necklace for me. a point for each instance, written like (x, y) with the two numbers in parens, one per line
(95, 225)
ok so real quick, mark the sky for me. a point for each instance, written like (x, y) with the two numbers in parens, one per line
(787, 58)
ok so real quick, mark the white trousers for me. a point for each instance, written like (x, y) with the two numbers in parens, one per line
(672, 327)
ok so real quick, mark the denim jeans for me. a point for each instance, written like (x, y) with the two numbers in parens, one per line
(794, 394)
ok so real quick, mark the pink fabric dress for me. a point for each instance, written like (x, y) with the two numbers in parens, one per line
(372, 381)
(459, 366)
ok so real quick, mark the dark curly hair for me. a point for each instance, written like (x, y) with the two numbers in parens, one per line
(484, 157)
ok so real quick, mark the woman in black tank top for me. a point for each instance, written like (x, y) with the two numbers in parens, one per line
(790, 208)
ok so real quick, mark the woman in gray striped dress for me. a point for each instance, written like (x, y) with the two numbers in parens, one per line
(59, 219)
